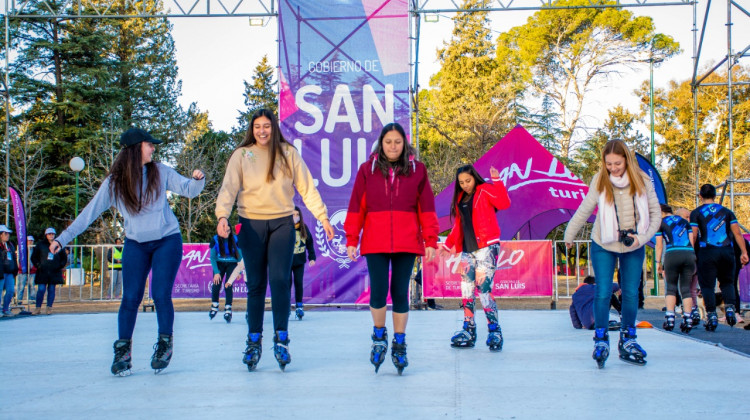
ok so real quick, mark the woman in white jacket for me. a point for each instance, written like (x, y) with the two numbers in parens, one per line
(628, 216)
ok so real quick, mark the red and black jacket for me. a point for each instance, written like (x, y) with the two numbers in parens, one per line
(487, 199)
(393, 216)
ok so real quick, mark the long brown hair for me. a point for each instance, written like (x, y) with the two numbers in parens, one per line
(302, 227)
(125, 179)
(403, 164)
(637, 186)
(457, 190)
(277, 141)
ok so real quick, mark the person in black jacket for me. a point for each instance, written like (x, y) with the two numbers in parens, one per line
(303, 241)
(8, 269)
(49, 270)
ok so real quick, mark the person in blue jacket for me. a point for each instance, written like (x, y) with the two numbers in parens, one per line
(582, 306)
(137, 187)
(225, 255)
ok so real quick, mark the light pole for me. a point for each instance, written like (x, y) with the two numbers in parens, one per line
(76, 165)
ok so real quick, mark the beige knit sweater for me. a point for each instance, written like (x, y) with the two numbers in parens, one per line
(245, 182)
(625, 212)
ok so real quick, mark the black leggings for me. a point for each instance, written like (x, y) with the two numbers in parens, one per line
(298, 276)
(401, 265)
(225, 270)
(716, 263)
(267, 248)
(679, 267)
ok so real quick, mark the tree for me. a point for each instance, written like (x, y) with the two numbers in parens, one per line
(675, 121)
(562, 53)
(208, 151)
(77, 82)
(261, 93)
(471, 103)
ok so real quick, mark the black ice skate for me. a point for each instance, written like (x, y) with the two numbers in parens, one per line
(228, 313)
(494, 337)
(466, 337)
(668, 322)
(687, 324)
(712, 321)
(398, 352)
(601, 346)
(252, 353)
(122, 362)
(379, 346)
(695, 315)
(630, 350)
(162, 353)
(214, 309)
(731, 317)
(281, 349)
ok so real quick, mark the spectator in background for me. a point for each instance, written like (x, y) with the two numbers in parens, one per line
(304, 251)
(9, 269)
(49, 270)
(114, 256)
(718, 233)
(694, 313)
(582, 306)
(27, 276)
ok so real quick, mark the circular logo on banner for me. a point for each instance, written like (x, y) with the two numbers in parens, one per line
(334, 249)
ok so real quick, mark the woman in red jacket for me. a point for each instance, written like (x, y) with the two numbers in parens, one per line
(476, 236)
(393, 207)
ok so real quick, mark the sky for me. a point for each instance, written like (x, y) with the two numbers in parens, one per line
(215, 56)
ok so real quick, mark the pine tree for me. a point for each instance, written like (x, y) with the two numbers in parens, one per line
(261, 93)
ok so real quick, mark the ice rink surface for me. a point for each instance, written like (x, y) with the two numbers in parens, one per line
(58, 367)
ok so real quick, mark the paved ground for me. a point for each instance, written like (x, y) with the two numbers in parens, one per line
(59, 367)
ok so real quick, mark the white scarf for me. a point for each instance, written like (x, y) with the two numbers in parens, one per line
(608, 226)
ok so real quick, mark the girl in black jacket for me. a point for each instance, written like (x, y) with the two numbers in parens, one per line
(49, 270)
(302, 242)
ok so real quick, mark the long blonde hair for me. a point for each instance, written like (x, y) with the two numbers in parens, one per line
(637, 186)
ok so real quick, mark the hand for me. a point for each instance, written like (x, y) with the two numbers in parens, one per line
(198, 175)
(311, 263)
(429, 253)
(744, 259)
(55, 246)
(328, 228)
(636, 244)
(217, 278)
(568, 245)
(223, 228)
(351, 251)
(494, 173)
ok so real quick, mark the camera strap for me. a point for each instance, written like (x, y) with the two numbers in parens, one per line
(635, 218)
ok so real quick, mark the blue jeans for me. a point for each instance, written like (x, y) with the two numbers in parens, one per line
(162, 257)
(25, 279)
(50, 295)
(7, 283)
(631, 266)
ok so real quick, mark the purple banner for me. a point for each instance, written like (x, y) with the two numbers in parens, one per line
(20, 218)
(344, 74)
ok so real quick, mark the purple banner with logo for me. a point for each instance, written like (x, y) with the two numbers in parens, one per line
(344, 74)
(20, 218)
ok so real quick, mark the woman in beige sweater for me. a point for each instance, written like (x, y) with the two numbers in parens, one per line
(261, 176)
(628, 216)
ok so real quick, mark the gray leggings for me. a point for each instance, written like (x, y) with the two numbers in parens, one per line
(679, 266)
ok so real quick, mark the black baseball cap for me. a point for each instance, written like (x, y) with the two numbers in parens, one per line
(136, 135)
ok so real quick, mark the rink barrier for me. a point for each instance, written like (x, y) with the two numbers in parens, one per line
(90, 279)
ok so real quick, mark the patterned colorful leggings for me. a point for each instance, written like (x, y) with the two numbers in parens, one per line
(477, 271)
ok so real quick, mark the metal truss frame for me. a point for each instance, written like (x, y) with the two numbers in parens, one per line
(731, 59)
